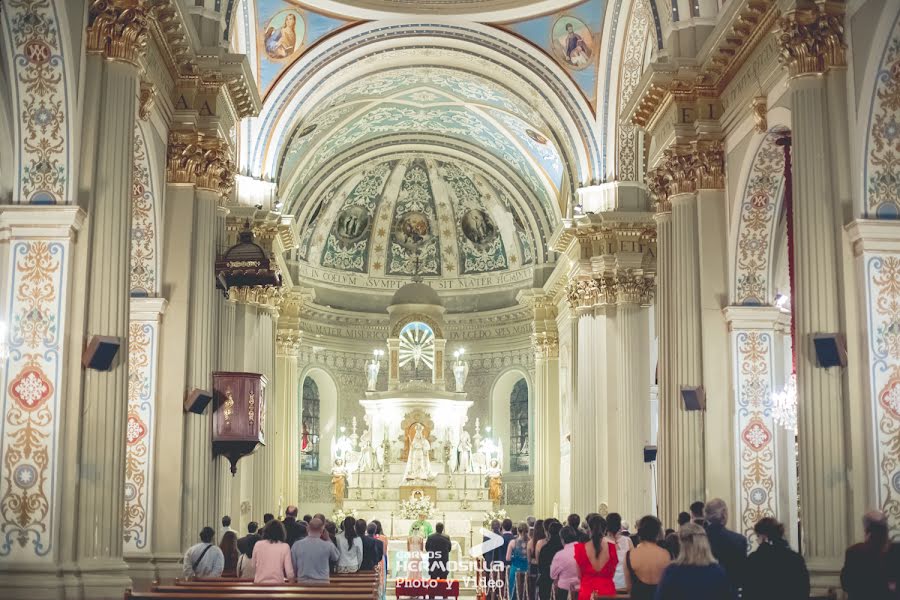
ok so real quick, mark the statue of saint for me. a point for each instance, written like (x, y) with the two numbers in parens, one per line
(495, 488)
(367, 458)
(418, 465)
(338, 481)
(372, 368)
(464, 451)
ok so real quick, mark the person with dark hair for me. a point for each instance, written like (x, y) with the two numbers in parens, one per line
(697, 516)
(644, 565)
(670, 542)
(379, 535)
(302, 530)
(564, 569)
(872, 568)
(684, 518)
(312, 556)
(728, 547)
(538, 536)
(508, 536)
(204, 559)
(291, 527)
(547, 552)
(573, 521)
(226, 526)
(246, 543)
(623, 547)
(307, 519)
(437, 547)
(597, 560)
(350, 548)
(228, 546)
(774, 571)
(272, 557)
(266, 518)
(372, 550)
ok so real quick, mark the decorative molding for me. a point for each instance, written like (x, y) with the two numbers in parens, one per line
(634, 288)
(200, 160)
(679, 164)
(811, 40)
(117, 30)
(147, 100)
(709, 165)
(263, 296)
(658, 182)
(760, 109)
(287, 342)
(546, 345)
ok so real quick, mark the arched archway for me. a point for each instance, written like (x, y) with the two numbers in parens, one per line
(324, 386)
(511, 418)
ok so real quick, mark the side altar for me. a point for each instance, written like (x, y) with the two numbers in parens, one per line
(418, 454)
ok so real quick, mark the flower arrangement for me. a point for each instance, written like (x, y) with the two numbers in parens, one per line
(492, 515)
(338, 516)
(415, 507)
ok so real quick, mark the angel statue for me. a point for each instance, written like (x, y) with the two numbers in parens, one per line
(338, 481)
(464, 453)
(418, 465)
(368, 461)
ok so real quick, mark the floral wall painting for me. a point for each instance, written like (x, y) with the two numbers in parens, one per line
(572, 38)
(284, 31)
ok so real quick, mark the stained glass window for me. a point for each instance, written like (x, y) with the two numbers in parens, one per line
(309, 427)
(518, 427)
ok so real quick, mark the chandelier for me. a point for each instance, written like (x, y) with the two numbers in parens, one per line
(784, 405)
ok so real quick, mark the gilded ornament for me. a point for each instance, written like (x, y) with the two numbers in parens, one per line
(658, 182)
(117, 29)
(228, 408)
(251, 409)
(147, 100)
(204, 161)
(760, 110)
(811, 40)
(709, 165)
(679, 163)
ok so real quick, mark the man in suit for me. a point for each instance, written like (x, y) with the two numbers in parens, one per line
(245, 544)
(872, 569)
(508, 536)
(729, 547)
(291, 527)
(697, 514)
(373, 549)
(438, 548)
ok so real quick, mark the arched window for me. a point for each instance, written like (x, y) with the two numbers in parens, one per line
(518, 427)
(309, 426)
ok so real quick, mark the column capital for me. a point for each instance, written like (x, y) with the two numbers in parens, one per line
(546, 344)
(117, 30)
(709, 164)
(267, 297)
(634, 288)
(287, 342)
(201, 160)
(811, 39)
(772, 318)
(592, 292)
(679, 164)
(658, 181)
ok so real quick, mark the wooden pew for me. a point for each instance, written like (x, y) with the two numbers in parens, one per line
(362, 586)
(261, 594)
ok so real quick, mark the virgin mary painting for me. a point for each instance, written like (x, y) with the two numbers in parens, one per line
(281, 37)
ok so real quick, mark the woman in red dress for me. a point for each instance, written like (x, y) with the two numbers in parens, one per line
(597, 560)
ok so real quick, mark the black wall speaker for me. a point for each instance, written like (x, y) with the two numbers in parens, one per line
(649, 454)
(197, 400)
(831, 349)
(100, 352)
(694, 398)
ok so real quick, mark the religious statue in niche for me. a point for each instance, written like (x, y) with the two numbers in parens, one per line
(368, 460)
(495, 481)
(418, 465)
(572, 42)
(478, 227)
(464, 453)
(338, 481)
(284, 35)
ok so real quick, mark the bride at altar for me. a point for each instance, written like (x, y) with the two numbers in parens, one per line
(418, 465)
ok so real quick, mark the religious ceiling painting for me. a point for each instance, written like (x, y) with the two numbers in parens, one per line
(882, 186)
(284, 31)
(572, 38)
(413, 248)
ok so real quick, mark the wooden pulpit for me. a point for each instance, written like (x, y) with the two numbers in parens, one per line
(239, 414)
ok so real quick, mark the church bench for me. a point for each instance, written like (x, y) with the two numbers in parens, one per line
(327, 591)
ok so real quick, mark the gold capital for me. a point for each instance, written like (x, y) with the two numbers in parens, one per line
(680, 167)
(709, 165)
(658, 181)
(117, 29)
(204, 161)
(811, 40)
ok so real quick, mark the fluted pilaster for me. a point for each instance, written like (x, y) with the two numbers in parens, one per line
(668, 398)
(287, 396)
(102, 459)
(546, 425)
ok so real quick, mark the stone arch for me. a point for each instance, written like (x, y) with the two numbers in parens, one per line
(329, 397)
(756, 223)
(40, 58)
(500, 414)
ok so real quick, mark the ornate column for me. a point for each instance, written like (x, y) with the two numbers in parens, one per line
(634, 293)
(545, 462)
(287, 396)
(811, 41)
(115, 39)
(686, 430)
(202, 160)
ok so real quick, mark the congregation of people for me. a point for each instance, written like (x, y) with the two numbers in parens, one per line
(547, 559)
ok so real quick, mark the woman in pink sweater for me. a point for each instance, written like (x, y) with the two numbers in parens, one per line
(272, 557)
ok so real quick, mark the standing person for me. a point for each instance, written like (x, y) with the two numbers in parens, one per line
(684, 518)
(623, 546)
(228, 546)
(203, 559)
(728, 547)
(697, 513)
(644, 565)
(564, 569)
(272, 557)
(312, 556)
(872, 568)
(538, 535)
(438, 547)
(695, 574)
(517, 558)
(349, 547)
(547, 551)
(266, 518)
(774, 571)
(385, 564)
(373, 551)
(291, 527)
(508, 536)
(596, 560)
(226, 526)
(246, 543)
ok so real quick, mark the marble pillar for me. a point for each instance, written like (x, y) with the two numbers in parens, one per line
(115, 74)
(287, 396)
(813, 47)
(546, 426)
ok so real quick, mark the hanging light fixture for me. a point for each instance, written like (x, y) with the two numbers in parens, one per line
(784, 405)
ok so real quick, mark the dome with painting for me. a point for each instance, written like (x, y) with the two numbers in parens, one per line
(459, 227)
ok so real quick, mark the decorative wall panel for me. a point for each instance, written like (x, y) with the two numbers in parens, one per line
(144, 256)
(882, 189)
(753, 353)
(632, 66)
(139, 450)
(40, 86)
(32, 382)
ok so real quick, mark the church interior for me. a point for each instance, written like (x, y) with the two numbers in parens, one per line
(466, 259)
